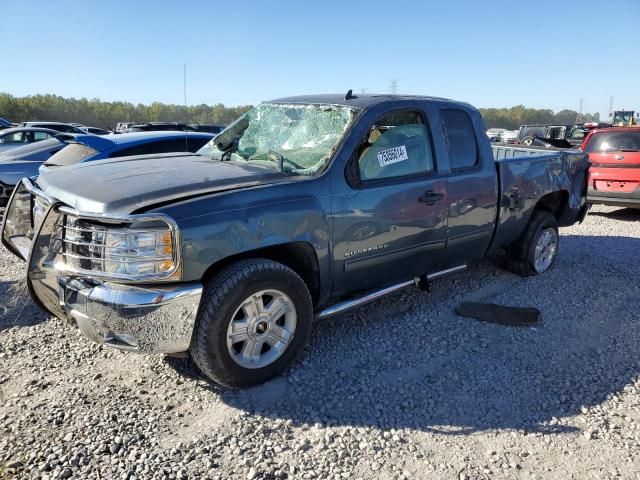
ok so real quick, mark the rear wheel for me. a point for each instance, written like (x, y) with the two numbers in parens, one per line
(255, 317)
(536, 250)
(527, 141)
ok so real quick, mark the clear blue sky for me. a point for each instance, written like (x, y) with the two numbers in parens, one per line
(489, 53)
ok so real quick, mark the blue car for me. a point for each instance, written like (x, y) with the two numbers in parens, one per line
(67, 149)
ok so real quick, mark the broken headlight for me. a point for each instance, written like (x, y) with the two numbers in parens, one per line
(120, 252)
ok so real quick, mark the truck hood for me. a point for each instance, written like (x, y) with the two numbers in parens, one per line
(130, 184)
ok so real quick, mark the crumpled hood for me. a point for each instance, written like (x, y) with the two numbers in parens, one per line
(131, 183)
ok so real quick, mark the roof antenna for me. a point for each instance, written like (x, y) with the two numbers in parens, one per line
(350, 95)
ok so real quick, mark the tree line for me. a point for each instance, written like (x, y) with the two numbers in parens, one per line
(512, 118)
(97, 113)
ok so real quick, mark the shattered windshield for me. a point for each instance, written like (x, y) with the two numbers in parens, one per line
(297, 139)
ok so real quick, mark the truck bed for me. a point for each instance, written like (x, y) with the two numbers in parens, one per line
(527, 174)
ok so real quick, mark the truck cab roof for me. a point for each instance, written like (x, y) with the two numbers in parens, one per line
(362, 101)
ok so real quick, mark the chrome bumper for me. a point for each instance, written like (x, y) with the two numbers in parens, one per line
(133, 318)
(157, 318)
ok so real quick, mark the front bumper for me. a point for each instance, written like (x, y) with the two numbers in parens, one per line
(149, 318)
(141, 319)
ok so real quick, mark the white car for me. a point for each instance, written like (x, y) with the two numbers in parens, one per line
(509, 136)
(494, 134)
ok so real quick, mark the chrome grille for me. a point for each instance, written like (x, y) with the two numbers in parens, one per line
(83, 243)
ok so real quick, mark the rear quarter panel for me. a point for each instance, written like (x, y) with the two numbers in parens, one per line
(527, 175)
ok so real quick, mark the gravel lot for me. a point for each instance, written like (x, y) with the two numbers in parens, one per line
(399, 389)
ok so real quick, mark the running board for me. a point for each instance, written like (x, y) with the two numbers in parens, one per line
(370, 297)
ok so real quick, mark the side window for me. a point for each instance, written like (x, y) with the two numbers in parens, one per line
(167, 146)
(15, 137)
(398, 145)
(461, 139)
(135, 150)
(37, 136)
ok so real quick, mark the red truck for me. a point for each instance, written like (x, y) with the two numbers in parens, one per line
(614, 171)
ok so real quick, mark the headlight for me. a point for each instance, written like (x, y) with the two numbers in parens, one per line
(120, 252)
(138, 252)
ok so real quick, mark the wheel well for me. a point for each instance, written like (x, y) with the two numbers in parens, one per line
(554, 202)
(298, 256)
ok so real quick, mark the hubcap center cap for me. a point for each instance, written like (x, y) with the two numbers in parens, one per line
(261, 327)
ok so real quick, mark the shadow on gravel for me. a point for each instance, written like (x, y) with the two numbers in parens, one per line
(16, 307)
(623, 214)
(410, 362)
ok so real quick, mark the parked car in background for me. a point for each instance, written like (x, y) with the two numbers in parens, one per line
(209, 128)
(159, 126)
(67, 149)
(15, 137)
(5, 124)
(494, 134)
(303, 208)
(121, 127)
(529, 131)
(508, 136)
(58, 126)
(563, 136)
(579, 131)
(614, 172)
(96, 130)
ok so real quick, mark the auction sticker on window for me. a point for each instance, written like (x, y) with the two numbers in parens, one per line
(392, 155)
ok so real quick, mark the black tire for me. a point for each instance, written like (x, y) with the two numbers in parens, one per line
(526, 141)
(521, 254)
(222, 296)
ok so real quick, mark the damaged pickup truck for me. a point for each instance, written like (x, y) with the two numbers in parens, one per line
(301, 209)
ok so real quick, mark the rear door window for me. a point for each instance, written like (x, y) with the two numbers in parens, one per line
(461, 139)
(614, 142)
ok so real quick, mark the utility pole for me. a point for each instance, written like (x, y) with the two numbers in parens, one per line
(186, 109)
(611, 105)
(393, 86)
(579, 116)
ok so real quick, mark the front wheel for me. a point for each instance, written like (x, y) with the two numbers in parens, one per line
(255, 317)
(536, 250)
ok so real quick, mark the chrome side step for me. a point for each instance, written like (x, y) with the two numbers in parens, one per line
(370, 297)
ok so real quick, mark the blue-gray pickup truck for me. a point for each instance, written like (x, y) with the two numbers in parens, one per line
(302, 208)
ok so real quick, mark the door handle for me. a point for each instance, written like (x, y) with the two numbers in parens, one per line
(430, 197)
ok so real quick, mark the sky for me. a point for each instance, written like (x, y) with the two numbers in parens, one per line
(542, 54)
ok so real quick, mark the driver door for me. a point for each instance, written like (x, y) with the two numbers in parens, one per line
(392, 224)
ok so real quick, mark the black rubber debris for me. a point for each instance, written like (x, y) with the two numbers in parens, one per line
(491, 312)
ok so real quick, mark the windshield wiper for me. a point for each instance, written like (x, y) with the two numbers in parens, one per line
(276, 157)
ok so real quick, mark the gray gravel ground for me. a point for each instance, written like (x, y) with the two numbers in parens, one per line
(399, 389)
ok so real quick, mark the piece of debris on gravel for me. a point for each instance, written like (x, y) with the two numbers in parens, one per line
(398, 389)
